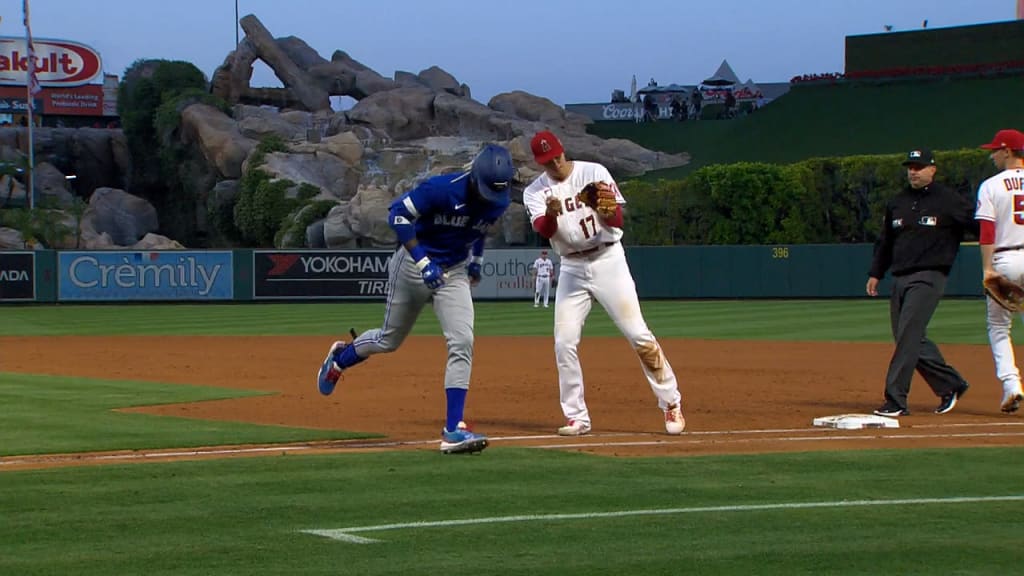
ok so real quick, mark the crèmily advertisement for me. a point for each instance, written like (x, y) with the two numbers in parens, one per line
(131, 275)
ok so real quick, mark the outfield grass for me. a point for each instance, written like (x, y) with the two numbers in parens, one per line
(865, 320)
(733, 515)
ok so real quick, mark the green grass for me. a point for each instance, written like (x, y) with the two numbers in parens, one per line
(839, 120)
(46, 414)
(867, 320)
(245, 516)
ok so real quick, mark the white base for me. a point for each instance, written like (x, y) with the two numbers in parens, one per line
(856, 421)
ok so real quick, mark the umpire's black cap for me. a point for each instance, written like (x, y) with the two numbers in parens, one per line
(921, 157)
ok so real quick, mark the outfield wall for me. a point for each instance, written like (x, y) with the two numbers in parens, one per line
(794, 271)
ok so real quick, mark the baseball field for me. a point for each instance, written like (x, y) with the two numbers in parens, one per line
(190, 439)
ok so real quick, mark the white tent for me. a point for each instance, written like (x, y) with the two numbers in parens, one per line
(724, 76)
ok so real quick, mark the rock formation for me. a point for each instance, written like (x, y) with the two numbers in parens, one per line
(400, 130)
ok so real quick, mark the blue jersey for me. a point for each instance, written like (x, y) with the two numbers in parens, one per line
(448, 219)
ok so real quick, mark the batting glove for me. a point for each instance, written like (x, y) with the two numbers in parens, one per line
(433, 275)
(475, 271)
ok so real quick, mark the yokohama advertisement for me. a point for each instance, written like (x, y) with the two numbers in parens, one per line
(320, 274)
(363, 275)
(17, 280)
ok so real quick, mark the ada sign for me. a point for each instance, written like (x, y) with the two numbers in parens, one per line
(17, 276)
(58, 62)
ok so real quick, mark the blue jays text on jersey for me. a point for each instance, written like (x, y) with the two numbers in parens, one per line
(447, 218)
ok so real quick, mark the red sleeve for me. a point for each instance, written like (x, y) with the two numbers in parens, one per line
(545, 225)
(988, 232)
(615, 220)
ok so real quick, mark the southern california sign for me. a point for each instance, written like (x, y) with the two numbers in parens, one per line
(58, 62)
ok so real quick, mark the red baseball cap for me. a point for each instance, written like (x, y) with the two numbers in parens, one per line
(546, 147)
(1012, 139)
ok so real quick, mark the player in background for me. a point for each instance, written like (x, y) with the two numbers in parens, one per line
(1000, 214)
(441, 227)
(543, 269)
(592, 267)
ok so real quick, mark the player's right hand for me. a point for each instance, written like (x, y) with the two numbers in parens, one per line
(554, 206)
(433, 275)
(872, 286)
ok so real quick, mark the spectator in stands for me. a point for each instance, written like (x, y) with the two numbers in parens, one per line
(730, 104)
(678, 110)
(696, 101)
(650, 108)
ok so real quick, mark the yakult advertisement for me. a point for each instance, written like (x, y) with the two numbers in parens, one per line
(59, 63)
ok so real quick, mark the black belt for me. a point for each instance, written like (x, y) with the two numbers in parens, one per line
(589, 251)
(1009, 248)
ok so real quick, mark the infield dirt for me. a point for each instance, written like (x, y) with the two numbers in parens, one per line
(738, 396)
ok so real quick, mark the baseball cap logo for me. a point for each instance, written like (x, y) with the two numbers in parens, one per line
(499, 185)
(545, 146)
(915, 154)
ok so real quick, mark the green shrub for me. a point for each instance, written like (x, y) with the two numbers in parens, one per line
(43, 224)
(308, 191)
(293, 230)
(820, 200)
(262, 206)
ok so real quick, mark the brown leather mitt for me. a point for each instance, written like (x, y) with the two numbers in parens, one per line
(600, 197)
(1005, 293)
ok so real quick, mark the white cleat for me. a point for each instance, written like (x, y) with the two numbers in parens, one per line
(574, 428)
(674, 421)
(1011, 401)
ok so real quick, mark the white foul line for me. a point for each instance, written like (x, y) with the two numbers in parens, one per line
(346, 534)
(666, 442)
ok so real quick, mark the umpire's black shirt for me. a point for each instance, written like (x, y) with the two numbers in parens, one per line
(922, 230)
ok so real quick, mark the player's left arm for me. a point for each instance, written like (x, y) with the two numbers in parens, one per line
(476, 261)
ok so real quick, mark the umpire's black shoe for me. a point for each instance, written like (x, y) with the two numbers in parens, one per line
(949, 400)
(892, 410)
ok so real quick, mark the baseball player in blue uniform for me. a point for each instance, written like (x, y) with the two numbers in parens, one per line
(441, 226)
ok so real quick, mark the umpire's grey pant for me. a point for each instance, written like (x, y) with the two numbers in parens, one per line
(914, 299)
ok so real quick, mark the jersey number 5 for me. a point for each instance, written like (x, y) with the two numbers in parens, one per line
(589, 226)
(1018, 209)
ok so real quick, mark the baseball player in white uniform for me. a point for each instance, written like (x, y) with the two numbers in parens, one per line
(592, 267)
(543, 268)
(1000, 215)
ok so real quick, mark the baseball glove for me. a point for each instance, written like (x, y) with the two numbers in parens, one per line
(600, 197)
(1005, 293)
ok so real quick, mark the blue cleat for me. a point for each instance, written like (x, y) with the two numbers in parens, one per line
(462, 441)
(330, 372)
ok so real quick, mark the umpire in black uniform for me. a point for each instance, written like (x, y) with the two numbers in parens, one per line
(921, 234)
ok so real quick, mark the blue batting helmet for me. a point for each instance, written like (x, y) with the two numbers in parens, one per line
(493, 172)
